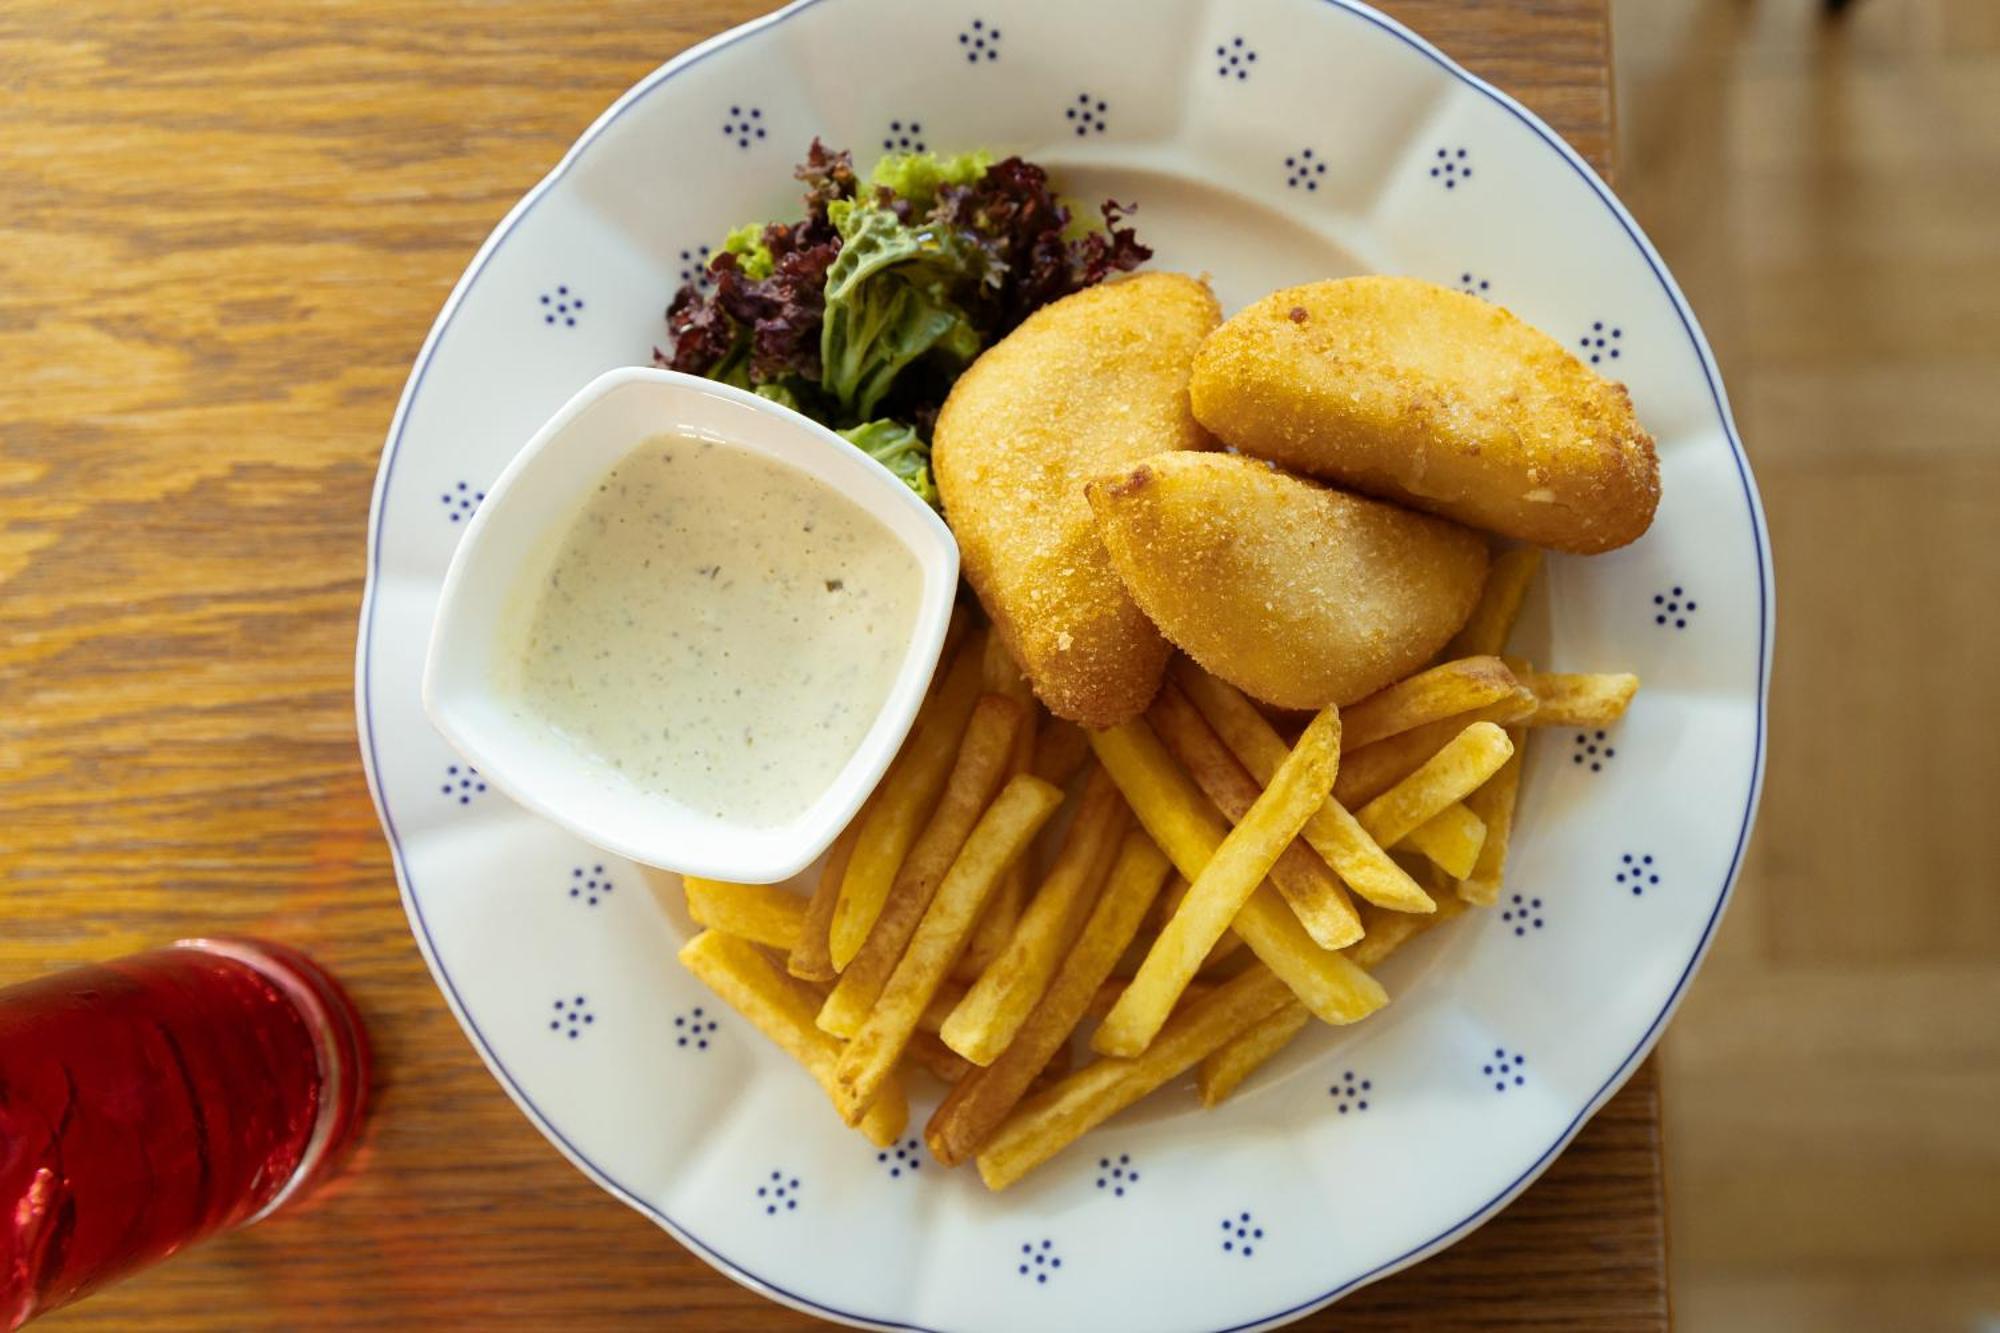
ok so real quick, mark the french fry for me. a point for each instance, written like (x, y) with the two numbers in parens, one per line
(1493, 802)
(1002, 674)
(1367, 772)
(1332, 832)
(982, 1100)
(1223, 1070)
(1001, 835)
(1061, 748)
(1302, 879)
(902, 805)
(1187, 828)
(1108, 992)
(1446, 690)
(1452, 839)
(1326, 982)
(1168, 903)
(1059, 1064)
(1225, 960)
(815, 989)
(994, 1009)
(1233, 873)
(781, 1008)
(975, 776)
(1051, 1121)
(1239, 722)
(1165, 800)
(1141, 945)
(1473, 756)
(761, 913)
(993, 929)
(949, 996)
(955, 631)
(1580, 700)
(1359, 860)
(1389, 931)
(935, 1058)
(1492, 620)
(812, 957)
(1003, 910)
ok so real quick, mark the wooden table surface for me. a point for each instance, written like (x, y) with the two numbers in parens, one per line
(224, 231)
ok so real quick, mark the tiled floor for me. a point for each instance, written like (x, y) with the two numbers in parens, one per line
(1829, 195)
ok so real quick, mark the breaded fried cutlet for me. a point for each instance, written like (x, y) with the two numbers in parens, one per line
(1403, 389)
(1090, 383)
(1296, 593)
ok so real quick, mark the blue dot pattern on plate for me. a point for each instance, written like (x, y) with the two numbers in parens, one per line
(694, 268)
(587, 884)
(1450, 166)
(463, 782)
(1637, 873)
(1241, 1235)
(1472, 284)
(1233, 59)
(1304, 168)
(979, 42)
(904, 136)
(561, 306)
(1116, 1175)
(1601, 343)
(1590, 747)
(1673, 607)
(1038, 1261)
(1350, 1093)
(903, 1158)
(571, 1017)
(1505, 1069)
(462, 503)
(779, 1194)
(1087, 114)
(692, 1029)
(1523, 914)
(745, 125)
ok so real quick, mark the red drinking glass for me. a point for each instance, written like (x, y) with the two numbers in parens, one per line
(150, 1102)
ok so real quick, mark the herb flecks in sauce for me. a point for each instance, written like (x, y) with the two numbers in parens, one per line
(720, 629)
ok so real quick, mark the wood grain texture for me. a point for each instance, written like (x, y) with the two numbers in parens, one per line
(1825, 190)
(227, 228)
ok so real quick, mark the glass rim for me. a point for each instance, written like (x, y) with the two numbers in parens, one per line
(321, 1022)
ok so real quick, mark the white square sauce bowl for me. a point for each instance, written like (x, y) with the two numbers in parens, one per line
(510, 548)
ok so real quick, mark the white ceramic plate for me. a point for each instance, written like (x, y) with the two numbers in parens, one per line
(1266, 142)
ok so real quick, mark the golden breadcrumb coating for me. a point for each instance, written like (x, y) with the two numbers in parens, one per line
(1413, 392)
(1093, 382)
(1298, 594)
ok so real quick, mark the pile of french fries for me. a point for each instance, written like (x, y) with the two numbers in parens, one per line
(1216, 889)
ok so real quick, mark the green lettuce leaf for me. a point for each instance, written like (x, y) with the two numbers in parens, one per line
(917, 177)
(734, 367)
(899, 448)
(752, 254)
(889, 301)
(781, 393)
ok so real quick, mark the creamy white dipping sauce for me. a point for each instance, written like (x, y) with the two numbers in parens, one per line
(720, 629)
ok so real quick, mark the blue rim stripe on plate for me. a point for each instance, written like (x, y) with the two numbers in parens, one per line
(1765, 627)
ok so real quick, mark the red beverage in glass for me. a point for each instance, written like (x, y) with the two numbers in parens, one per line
(152, 1101)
